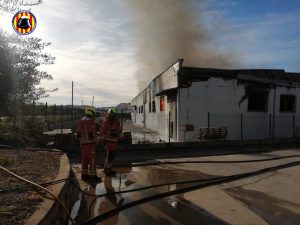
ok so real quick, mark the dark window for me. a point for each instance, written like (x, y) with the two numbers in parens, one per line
(287, 103)
(258, 101)
(171, 98)
(153, 106)
(149, 107)
(162, 103)
(142, 109)
(133, 109)
(139, 109)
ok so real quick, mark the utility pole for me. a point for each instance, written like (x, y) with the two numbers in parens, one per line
(72, 100)
(93, 102)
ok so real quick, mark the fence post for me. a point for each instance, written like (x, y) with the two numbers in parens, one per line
(169, 126)
(294, 125)
(33, 108)
(273, 136)
(274, 110)
(46, 112)
(54, 112)
(122, 120)
(67, 112)
(74, 113)
(16, 132)
(270, 126)
(62, 125)
(208, 123)
(242, 134)
(46, 116)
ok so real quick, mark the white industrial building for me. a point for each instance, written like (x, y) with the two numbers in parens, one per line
(250, 104)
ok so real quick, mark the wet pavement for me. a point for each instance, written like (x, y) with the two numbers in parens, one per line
(166, 211)
(272, 198)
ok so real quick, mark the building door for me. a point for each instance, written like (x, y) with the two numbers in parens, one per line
(173, 118)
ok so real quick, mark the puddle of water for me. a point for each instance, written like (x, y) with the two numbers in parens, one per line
(165, 211)
(75, 208)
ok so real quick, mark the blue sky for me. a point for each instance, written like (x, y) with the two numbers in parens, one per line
(265, 32)
(94, 45)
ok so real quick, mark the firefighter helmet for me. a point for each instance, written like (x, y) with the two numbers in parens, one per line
(90, 111)
(112, 112)
(24, 22)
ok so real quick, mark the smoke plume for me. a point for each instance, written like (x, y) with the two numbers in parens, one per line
(166, 30)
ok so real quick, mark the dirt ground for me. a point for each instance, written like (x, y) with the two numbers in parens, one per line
(16, 205)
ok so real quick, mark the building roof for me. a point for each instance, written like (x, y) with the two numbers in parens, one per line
(123, 106)
(166, 81)
(268, 76)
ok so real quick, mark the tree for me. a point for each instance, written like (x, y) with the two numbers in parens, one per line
(14, 5)
(20, 75)
(20, 59)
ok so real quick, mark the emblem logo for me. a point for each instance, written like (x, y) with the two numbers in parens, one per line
(24, 22)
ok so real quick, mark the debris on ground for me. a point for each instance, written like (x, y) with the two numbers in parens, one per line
(18, 204)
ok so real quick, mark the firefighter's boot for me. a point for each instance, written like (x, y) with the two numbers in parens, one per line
(84, 176)
(109, 172)
(95, 178)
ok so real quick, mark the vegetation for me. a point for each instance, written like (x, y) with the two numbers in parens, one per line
(14, 5)
(20, 77)
(20, 61)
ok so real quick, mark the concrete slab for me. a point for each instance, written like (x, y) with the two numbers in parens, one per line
(260, 200)
(223, 206)
(264, 199)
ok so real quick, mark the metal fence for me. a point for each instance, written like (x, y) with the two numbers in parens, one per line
(53, 115)
(27, 123)
(256, 125)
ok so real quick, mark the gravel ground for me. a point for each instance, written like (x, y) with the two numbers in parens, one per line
(38, 166)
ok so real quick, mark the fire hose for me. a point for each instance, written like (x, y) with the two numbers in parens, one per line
(209, 182)
(44, 189)
(181, 182)
(203, 184)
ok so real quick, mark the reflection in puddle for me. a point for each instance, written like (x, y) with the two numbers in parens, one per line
(164, 211)
(91, 206)
(107, 203)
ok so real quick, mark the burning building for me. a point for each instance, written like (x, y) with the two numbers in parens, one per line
(182, 103)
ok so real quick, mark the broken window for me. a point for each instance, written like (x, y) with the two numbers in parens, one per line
(287, 103)
(258, 101)
(153, 106)
(162, 103)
